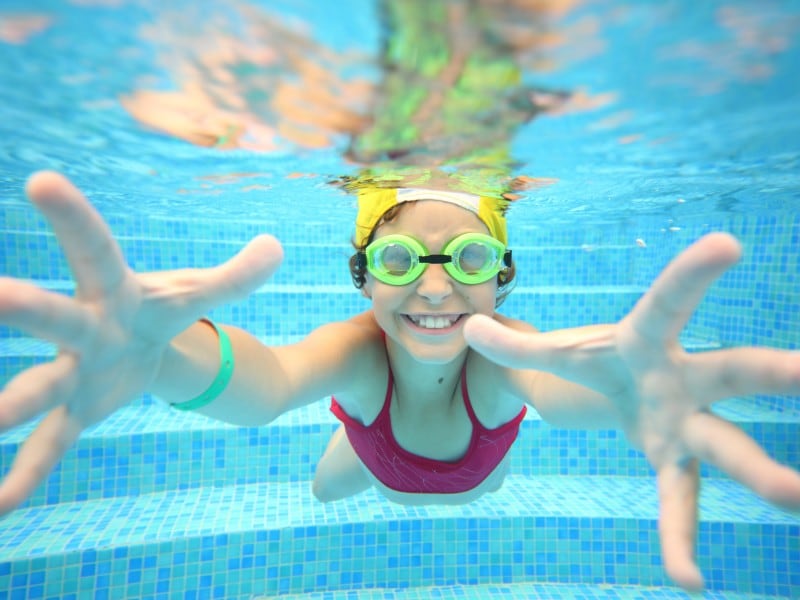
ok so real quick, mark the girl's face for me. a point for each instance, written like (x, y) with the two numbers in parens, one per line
(426, 316)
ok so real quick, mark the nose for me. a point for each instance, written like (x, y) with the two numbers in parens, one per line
(435, 285)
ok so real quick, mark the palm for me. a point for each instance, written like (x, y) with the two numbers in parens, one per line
(662, 393)
(111, 335)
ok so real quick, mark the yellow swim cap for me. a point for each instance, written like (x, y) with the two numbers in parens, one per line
(374, 202)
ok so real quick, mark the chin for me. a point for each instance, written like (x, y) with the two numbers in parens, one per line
(439, 351)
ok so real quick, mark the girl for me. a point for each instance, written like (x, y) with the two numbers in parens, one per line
(430, 383)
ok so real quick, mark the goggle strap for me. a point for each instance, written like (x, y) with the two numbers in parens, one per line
(507, 258)
(361, 261)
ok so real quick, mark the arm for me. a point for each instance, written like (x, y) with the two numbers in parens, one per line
(266, 381)
(562, 398)
(570, 405)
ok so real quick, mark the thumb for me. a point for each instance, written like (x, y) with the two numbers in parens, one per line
(505, 346)
(245, 272)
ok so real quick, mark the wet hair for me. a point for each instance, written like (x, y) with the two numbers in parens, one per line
(358, 272)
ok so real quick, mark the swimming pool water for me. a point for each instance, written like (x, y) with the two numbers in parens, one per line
(152, 504)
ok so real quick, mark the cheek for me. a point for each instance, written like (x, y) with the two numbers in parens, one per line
(384, 306)
(484, 296)
(381, 295)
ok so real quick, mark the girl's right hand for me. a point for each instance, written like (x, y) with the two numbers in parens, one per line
(111, 335)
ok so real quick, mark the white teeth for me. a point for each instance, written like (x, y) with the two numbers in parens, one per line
(433, 322)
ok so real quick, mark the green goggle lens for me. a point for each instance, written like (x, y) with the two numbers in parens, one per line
(470, 258)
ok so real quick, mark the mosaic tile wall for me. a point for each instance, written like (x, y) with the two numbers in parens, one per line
(161, 507)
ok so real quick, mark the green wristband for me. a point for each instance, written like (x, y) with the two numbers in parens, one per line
(223, 376)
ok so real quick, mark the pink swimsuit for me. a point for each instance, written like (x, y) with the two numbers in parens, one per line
(402, 471)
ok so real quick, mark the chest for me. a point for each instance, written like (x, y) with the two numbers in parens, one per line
(443, 431)
(434, 422)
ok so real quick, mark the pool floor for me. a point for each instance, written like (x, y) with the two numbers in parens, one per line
(156, 505)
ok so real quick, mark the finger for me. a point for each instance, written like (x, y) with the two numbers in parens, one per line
(93, 256)
(37, 457)
(553, 351)
(42, 314)
(37, 390)
(245, 272)
(743, 372)
(506, 346)
(720, 443)
(193, 292)
(665, 309)
(678, 489)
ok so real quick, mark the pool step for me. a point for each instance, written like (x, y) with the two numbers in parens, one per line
(271, 538)
(521, 591)
(146, 448)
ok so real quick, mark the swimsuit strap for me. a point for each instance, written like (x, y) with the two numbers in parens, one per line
(389, 389)
(467, 402)
(387, 400)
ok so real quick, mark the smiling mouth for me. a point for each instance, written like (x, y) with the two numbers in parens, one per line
(434, 321)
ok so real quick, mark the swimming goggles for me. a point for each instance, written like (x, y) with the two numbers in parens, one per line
(470, 258)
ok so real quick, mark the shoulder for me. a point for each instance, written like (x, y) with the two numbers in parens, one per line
(337, 358)
(355, 331)
(358, 348)
(349, 345)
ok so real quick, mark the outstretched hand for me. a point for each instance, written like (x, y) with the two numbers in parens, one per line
(662, 393)
(111, 335)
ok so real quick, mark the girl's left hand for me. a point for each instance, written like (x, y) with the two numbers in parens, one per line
(662, 393)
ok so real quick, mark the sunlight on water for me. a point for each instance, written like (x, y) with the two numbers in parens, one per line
(592, 111)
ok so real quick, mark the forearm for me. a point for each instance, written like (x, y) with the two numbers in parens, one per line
(566, 404)
(253, 395)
